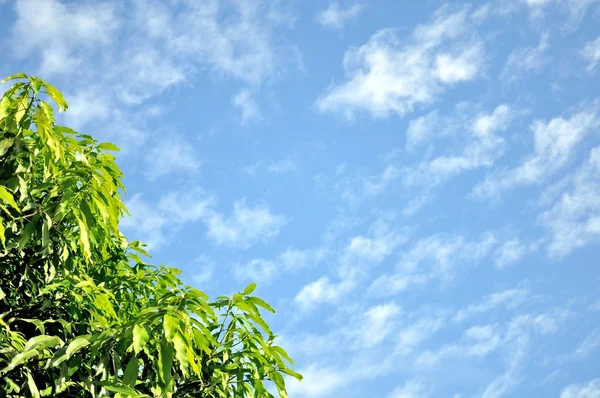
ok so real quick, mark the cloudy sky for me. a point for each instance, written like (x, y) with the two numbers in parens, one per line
(414, 185)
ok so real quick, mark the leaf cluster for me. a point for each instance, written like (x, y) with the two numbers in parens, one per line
(82, 314)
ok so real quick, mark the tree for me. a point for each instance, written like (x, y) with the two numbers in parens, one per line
(81, 312)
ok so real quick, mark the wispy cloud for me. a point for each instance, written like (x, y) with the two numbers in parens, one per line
(61, 35)
(393, 75)
(481, 149)
(432, 258)
(574, 219)
(318, 381)
(334, 16)
(589, 345)
(247, 106)
(246, 226)
(509, 253)
(510, 299)
(554, 143)
(291, 260)
(590, 389)
(526, 60)
(170, 154)
(591, 53)
(410, 389)
(322, 291)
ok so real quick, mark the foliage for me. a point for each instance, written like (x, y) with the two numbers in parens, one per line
(81, 313)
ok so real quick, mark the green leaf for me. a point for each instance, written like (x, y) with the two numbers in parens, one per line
(5, 145)
(165, 363)
(140, 337)
(44, 341)
(171, 325)
(84, 238)
(15, 76)
(278, 380)
(107, 146)
(33, 390)
(36, 83)
(131, 372)
(261, 303)
(290, 372)
(283, 353)
(2, 236)
(46, 232)
(6, 196)
(28, 232)
(77, 344)
(119, 388)
(57, 97)
(250, 288)
(19, 359)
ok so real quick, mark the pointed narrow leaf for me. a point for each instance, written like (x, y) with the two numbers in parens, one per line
(261, 303)
(77, 344)
(107, 146)
(15, 76)
(119, 388)
(250, 288)
(131, 372)
(42, 340)
(33, 390)
(8, 198)
(140, 337)
(19, 359)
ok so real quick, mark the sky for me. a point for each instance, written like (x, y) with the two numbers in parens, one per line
(414, 185)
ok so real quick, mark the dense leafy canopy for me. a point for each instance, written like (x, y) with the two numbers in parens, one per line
(81, 312)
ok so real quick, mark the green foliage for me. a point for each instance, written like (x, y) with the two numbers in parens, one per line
(81, 313)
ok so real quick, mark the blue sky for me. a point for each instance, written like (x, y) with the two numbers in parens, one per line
(414, 185)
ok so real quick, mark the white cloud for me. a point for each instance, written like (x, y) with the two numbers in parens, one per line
(334, 17)
(434, 257)
(574, 219)
(392, 75)
(516, 343)
(482, 148)
(149, 72)
(410, 336)
(145, 222)
(247, 106)
(291, 260)
(526, 60)
(61, 34)
(281, 167)
(318, 381)
(322, 291)
(591, 389)
(554, 144)
(510, 298)
(591, 52)
(575, 9)
(156, 224)
(410, 389)
(589, 345)
(246, 226)
(170, 154)
(509, 253)
(376, 324)
(256, 270)
(477, 341)
(203, 269)
(86, 106)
